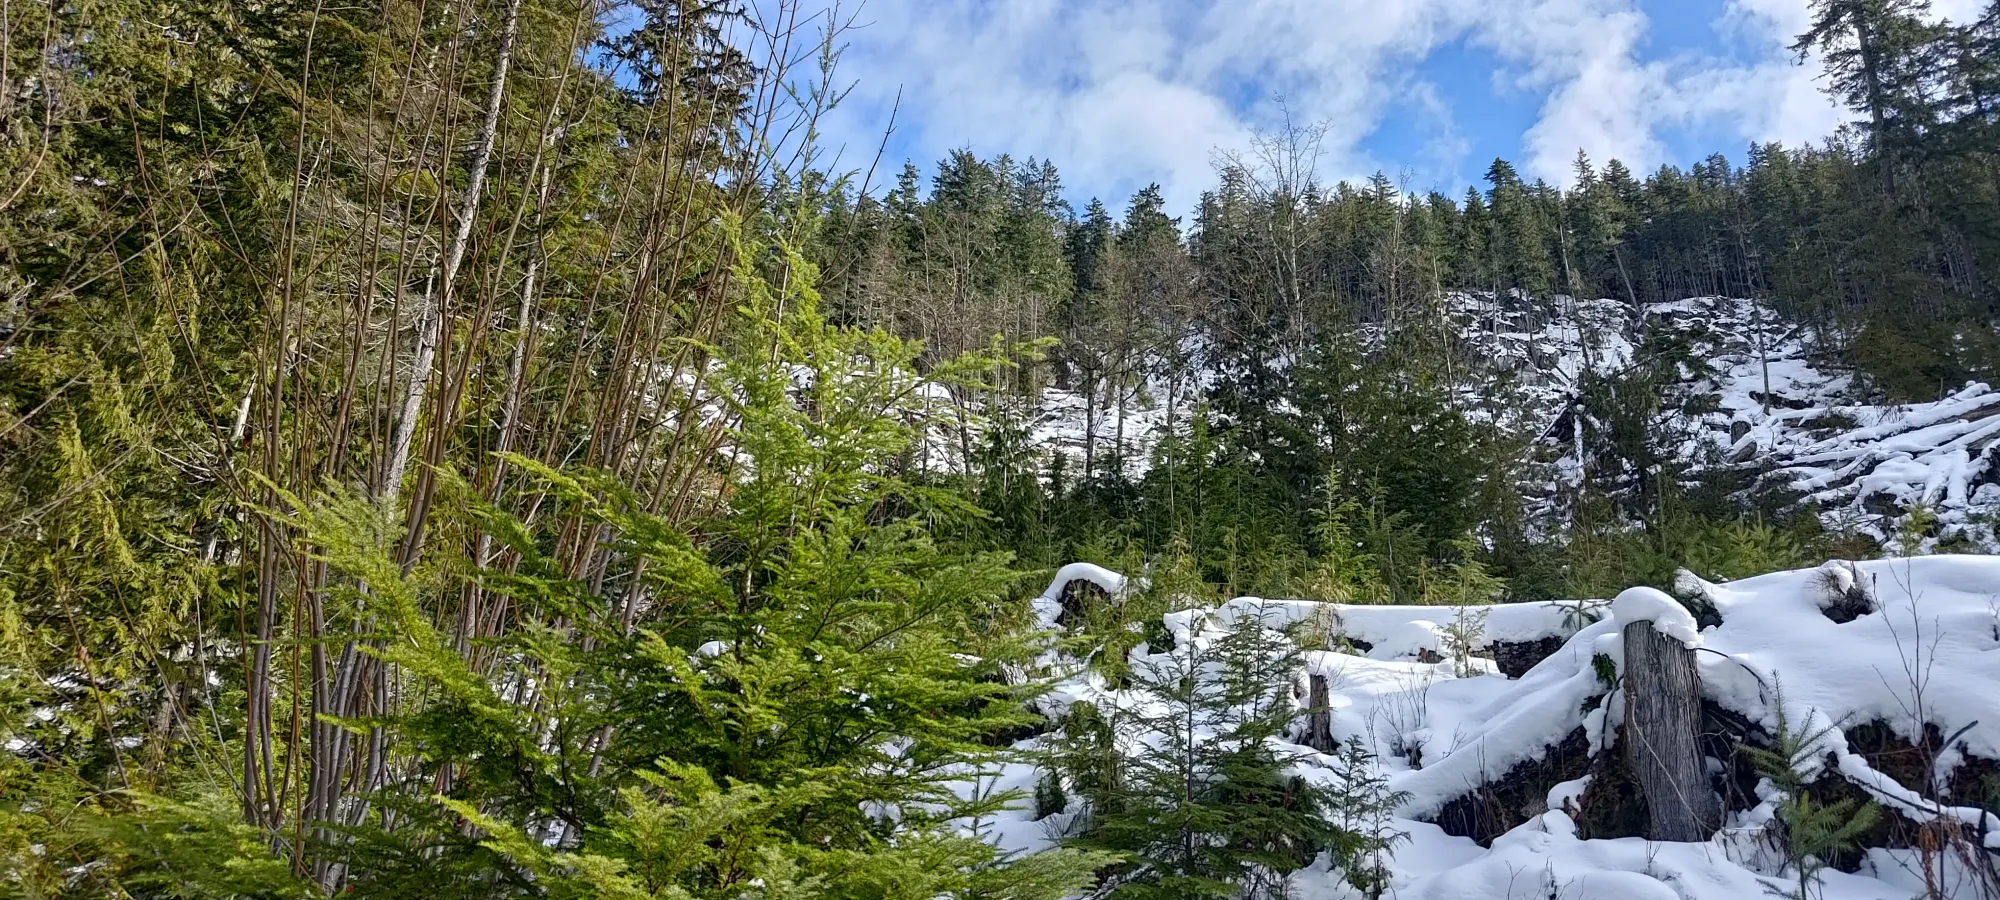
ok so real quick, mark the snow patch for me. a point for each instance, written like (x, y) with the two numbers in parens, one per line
(1669, 617)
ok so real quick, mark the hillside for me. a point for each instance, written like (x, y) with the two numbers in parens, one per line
(534, 450)
(1752, 392)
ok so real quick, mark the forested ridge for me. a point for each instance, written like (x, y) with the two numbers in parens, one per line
(478, 448)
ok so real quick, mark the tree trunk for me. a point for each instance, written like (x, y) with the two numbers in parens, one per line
(1118, 432)
(1871, 70)
(1319, 716)
(1631, 296)
(1089, 422)
(437, 296)
(1662, 724)
(327, 781)
(1173, 408)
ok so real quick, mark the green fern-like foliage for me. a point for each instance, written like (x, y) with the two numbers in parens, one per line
(1823, 829)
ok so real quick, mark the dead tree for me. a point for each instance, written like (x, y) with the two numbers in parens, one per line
(1662, 730)
(1319, 715)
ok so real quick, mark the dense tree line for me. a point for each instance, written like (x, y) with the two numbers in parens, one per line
(1318, 311)
(1890, 224)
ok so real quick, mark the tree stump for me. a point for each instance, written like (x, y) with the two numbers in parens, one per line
(1319, 716)
(1662, 736)
(1077, 594)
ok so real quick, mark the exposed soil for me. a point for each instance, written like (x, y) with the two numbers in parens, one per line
(1888, 753)
(1613, 806)
(1848, 605)
(1515, 658)
(1076, 597)
(1724, 735)
(1494, 809)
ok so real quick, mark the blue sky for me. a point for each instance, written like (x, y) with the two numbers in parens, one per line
(1120, 93)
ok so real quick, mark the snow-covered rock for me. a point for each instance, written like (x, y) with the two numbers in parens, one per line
(1048, 606)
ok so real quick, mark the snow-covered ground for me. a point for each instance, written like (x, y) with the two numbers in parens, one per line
(1802, 426)
(1127, 430)
(1916, 645)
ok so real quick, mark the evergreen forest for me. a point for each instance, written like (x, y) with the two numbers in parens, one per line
(493, 449)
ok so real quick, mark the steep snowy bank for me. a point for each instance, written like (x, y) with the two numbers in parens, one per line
(1906, 647)
(1761, 398)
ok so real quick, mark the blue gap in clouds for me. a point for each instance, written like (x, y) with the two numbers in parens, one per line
(1692, 30)
(1488, 117)
(1681, 25)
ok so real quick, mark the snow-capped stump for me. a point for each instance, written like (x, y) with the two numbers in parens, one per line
(1844, 596)
(1073, 589)
(1662, 730)
(1665, 614)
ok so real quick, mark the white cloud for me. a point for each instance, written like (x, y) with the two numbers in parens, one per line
(1600, 99)
(1122, 92)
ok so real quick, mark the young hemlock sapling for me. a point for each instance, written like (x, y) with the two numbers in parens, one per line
(1206, 801)
(1814, 831)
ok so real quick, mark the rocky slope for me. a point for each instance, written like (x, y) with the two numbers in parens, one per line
(1759, 396)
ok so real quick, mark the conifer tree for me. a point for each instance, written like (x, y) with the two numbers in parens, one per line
(783, 689)
(1814, 830)
(1208, 803)
(1871, 49)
